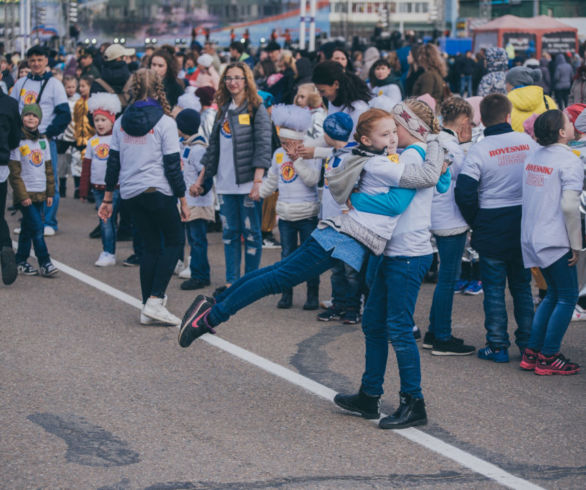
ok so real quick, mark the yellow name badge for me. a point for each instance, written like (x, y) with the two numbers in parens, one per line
(380, 92)
(24, 150)
(22, 92)
(393, 158)
(279, 158)
(244, 119)
(95, 142)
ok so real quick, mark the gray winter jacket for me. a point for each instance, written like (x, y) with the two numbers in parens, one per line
(563, 73)
(251, 141)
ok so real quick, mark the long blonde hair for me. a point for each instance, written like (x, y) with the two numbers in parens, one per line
(145, 83)
(423, 112)
(430, 58)
(223, 95)
(288, 61)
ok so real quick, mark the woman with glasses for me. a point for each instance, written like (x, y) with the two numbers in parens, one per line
(238, 155)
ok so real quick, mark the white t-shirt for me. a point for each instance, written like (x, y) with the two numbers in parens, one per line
(141, 157)
(392, 91)
(32, 156)
(291, 188)
(191, 157)
(26, 91)
(412, 237)
(97, 150)
(329, 207)
(496, 163)
(547, 173)
(445, 214)
(359, 107)
(226, 173)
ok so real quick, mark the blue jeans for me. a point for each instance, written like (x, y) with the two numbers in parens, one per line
(241, 216)
(159, 225)
(109, 227)
(450, 250)
(32, 230)
(388, 316)
(308, 261)
(198, 242)
(494, 274)
(555, 311)
(51, 212)
(346, 287)
(466, 85)
(293, 234)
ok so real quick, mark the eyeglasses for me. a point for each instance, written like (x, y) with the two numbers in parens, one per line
(234, 79)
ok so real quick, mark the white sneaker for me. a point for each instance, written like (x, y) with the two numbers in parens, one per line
(579, 314)
(105, 259)
(16, 231)
(145, 320)
(49, 231)
(326, 303)
(179, 267)
(155, 310)
(185, 273)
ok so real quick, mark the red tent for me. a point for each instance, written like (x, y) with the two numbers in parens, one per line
(537, 34)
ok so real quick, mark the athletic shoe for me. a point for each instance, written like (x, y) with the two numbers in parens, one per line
(155, 310)
(528, 359)
(331, 314)
(178, 267)
(460, 286)
(219, 290)
(579, 314)
(48, 270)
(131, 261)
(451, 347)
(96, 232)
(428, 340)
(186, 273)
(195, 323)
(490, 353)
(365, 405)
(270, 243)
(474, 288)
(49, 231)
(416, 333)
(326, 303)
(26, 269)
(105, 259)
(145, 320)
(556, 364)
(351, 318)
(193, 284)
(8, 263)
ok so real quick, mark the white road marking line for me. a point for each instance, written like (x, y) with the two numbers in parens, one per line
(417, 436)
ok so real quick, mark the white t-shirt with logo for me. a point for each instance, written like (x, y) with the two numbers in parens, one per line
(32, 156)
(291, 188)
(329, 207)
(392, 91)
(496, 163)
(97, 150)
(547, 173)
(26, 91)
(141, 157)
(191, 157)
(226, 173)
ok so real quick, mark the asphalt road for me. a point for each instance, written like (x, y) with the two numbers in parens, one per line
(92, 399)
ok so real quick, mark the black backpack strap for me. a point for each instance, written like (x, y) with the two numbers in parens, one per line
(546, 103)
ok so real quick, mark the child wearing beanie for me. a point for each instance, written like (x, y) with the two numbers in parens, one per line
(103, 107)
(33, 184)
(200, 200)
(296, 180)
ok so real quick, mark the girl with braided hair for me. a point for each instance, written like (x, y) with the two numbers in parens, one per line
(144, 160)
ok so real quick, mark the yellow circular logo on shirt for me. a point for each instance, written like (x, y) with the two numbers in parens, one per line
(102, 151)
(36, 158)
(30, 97)
(288, 172)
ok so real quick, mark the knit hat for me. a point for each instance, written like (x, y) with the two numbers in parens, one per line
(293, 121)
(188, 121)
(338, 126)
(580, 122)
(408, 119)
(34, 109)
(205, 60)
(521, 76)
(206, 95)
(104, 104)
(267, 98)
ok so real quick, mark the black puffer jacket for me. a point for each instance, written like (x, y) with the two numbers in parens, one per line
(10, 125)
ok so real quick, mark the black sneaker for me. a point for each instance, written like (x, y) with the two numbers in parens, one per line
(331, 314)
(26, 269)
(416, 333)
(194, 323)
(286, 301)
(193, 283)
(451, 347)
(96, 232)
(8, 263)
(351, 318)
(132, 261)
(428, 340)
(219, 290)
(411, 412)
(367, 406)
(48, 270)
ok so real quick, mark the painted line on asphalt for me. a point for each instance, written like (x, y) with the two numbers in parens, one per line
(417, 436)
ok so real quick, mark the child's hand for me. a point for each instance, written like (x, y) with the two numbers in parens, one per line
(445, 167)
(49, 201)
(573, 260)
(195, 190)
(26, 203)
(306, 152)
(184, 209)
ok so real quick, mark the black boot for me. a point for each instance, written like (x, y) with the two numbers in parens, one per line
(286, 300)
(361, 403)
(312, 302)
(76, 182)
(63, 186)
(411, 412)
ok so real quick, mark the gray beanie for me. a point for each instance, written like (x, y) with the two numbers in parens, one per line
(521, 76)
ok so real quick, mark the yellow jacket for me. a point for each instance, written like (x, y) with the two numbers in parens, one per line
(527, 101)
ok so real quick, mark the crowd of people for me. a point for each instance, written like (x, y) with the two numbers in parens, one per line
(369, 165)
